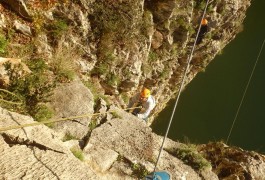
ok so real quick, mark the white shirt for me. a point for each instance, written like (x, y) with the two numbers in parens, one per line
(147, 106)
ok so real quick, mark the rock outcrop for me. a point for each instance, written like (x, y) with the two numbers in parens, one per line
(225, 159)
(70, 100)
(130, 44)
(130, 138)
(36, 153)
(115, 48)
(122, 147)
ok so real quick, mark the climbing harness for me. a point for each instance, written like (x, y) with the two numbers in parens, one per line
(180, 89)
(245, 91)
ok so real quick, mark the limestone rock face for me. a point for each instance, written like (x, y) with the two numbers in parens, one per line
(42, 46)
(72, 99)
(100, 157)
(36, 153)
(22, 28)
(122, 45)
(2, 21)
(130, 44)
(122, 147)
(134, 141)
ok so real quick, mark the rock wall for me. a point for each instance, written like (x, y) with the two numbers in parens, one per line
(36, 153)
(125, 45)
(114, 48)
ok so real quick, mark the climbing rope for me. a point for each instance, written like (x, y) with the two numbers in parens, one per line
(12, 94)
(180, 89)
(245, 91)
(56, 120)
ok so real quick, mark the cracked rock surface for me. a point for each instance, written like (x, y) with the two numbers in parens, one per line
(36, 153)
(122, 147)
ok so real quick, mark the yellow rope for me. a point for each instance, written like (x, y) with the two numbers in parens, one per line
(10, 102)
(57, 120)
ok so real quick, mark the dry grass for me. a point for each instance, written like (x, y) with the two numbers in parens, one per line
(63, 62)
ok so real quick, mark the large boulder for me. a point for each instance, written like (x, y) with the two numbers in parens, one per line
(133, 140)
(72, 99)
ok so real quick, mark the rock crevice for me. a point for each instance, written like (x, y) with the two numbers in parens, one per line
(12, 141)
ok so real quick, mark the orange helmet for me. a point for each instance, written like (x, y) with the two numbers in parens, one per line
(145, 93)
(204, 21)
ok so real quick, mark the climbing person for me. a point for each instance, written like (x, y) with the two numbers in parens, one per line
(203, 30)
(144, 103)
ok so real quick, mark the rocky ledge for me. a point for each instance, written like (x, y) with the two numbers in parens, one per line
(122, 147)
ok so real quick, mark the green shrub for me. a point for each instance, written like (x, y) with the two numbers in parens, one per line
(191, 157)
(92, 125)
(3, 45)
(109, 57)
(125, 97)
(33, 88)
(165, 73)
(108, 18)
(68, 137)
(101, 69)
(147, 69)
(62, 64)
(113, 79)
(147, 24)
(115, 115)
(57, 28)
(94, 90)
(65, 75)
(78, 153)
(38, 22)
(42, 113)
(200, 5)
(139, 170)
(152, 56)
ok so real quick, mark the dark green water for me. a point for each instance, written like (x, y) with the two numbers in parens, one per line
(208, 105)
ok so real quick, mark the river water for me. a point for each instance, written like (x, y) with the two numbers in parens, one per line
(208, 105)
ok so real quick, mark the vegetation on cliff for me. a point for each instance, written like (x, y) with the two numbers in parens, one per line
(116, 46)
(82, 56)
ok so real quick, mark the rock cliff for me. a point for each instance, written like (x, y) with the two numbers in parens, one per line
(76, 57)
(119, 45)
(122, 147)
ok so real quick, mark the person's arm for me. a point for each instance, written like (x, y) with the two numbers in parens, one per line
(148, 107)
(144, 114)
